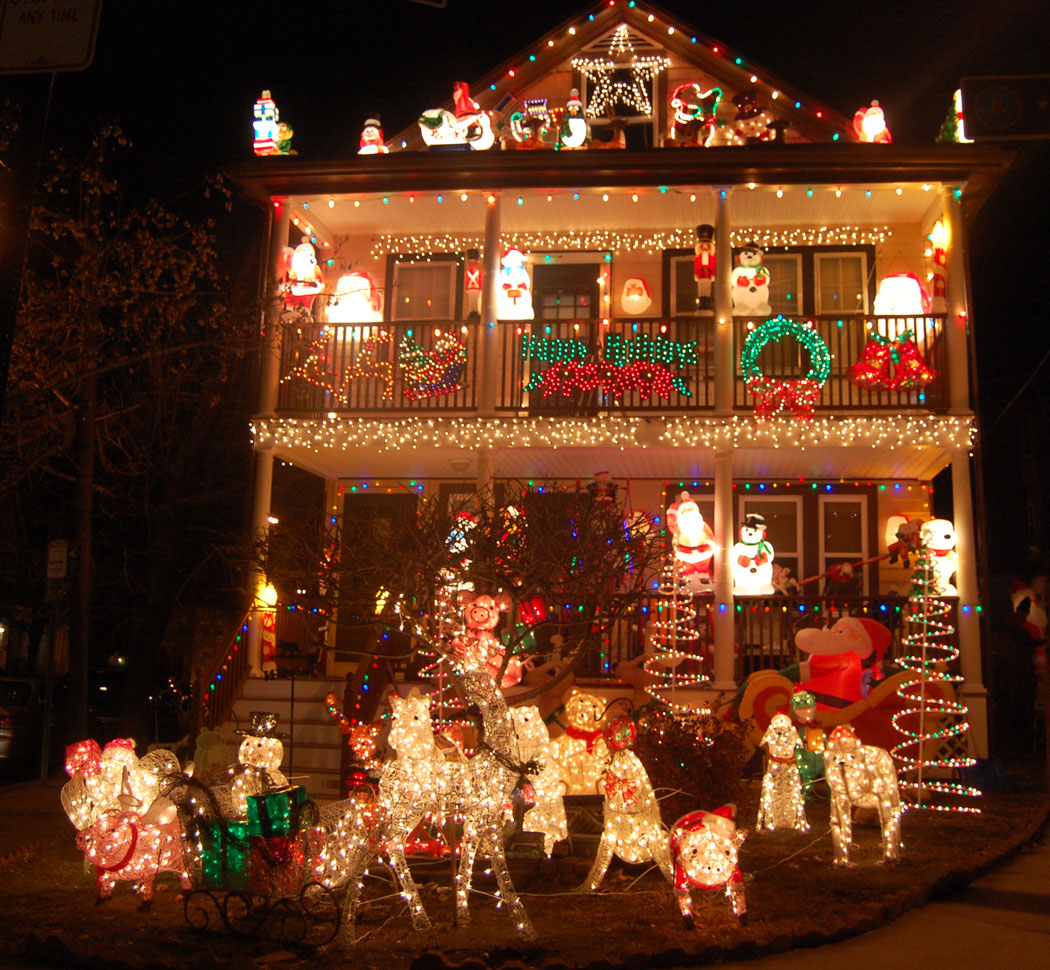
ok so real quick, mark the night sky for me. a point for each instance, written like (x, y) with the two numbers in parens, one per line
(182, 79)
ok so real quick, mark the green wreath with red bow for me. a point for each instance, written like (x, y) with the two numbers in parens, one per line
(772, 394)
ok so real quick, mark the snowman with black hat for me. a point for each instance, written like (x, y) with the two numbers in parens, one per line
(753, 558)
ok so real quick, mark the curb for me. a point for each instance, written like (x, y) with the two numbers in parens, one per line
(893, 906)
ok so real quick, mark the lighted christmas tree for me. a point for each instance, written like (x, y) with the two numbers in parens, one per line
(932, 719)
(674, 662)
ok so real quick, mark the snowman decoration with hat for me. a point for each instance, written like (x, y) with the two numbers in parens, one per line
(750, 283)
(258, 760)
(372, 138)
(753, 559)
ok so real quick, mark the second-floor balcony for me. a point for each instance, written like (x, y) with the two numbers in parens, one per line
(585, 367)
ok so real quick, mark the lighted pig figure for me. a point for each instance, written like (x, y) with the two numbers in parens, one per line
(125, 848)
(704, 846)
(479, 647)
(938, 537)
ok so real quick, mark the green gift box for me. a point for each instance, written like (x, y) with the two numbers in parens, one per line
(275, 813)
(224, 861)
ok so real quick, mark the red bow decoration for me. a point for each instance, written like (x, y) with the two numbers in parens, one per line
(773, 396)
(627, 789)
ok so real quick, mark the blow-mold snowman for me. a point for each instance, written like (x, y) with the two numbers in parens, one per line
(753, 559)
(258, 760)
(750, 283)
(938, 538)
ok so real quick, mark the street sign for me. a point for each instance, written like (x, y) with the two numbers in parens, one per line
(42, 36)
(1007, 108)
(57, 558)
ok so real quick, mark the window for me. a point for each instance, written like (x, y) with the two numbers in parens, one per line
(683, 286)
(841, 282)
(783, 528)
(425, 290)
(566, 291)
(785, 284)
(844, 538)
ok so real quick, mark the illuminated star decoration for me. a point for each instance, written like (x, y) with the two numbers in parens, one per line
(608, 89)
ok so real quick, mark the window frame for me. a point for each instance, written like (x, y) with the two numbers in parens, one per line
(829, 253)
(862, 554)
(455, 264)
(799, 553)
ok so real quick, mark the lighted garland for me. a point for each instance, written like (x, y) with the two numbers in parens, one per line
(772, 394)
(929, 718)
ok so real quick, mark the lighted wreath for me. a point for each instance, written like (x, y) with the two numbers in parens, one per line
(773, 395)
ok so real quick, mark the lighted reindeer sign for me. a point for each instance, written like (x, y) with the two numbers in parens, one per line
(863, 775)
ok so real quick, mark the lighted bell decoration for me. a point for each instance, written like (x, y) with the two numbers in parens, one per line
(865, 776)
(635, 298)
(704, 847)
(514, 291)
(781, 805)
(870, 125)
(356, 299)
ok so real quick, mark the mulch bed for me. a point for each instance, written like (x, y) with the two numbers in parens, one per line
(795, 898)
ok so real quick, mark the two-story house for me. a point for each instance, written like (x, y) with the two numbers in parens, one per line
(579, 265)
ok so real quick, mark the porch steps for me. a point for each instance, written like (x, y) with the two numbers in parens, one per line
(312, 753)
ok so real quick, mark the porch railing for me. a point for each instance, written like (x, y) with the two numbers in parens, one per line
(574, 367)
(220, 685)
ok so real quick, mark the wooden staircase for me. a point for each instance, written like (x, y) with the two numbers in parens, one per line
(312, 752)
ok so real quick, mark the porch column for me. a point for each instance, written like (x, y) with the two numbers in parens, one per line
(490, 337)
(484, 477)
(724, 622)
(974, 693)
(957, 321)
(269, 378)
(723, 298)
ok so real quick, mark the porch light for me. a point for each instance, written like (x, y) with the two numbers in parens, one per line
(265, 596)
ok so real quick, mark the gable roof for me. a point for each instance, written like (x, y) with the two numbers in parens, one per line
(650, 31)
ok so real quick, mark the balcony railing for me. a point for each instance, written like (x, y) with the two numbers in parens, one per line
(573, 367)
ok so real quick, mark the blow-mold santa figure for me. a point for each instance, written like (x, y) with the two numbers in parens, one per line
(356, 300)
(750, 283)
(694, 543)
(704, 265)
(870, 125)
(753, 559)
(635, 298)
(304, 279)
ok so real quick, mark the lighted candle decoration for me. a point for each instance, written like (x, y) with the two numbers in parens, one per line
(781, 804)
(865, 776)
(632, 830)
(704, 847)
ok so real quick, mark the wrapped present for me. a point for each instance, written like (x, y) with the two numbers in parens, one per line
(275, 813)
(225, 854)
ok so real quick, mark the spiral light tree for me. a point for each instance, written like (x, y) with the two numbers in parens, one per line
(673, 664)
(931, 718)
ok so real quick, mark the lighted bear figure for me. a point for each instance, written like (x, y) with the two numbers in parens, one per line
(750, 283)
(694, 543)
(704, 846)
(581, 751)
(753, 559)
(258, 761)
(547, 815)
(632, 830)
(938, 538)
(478, 647)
